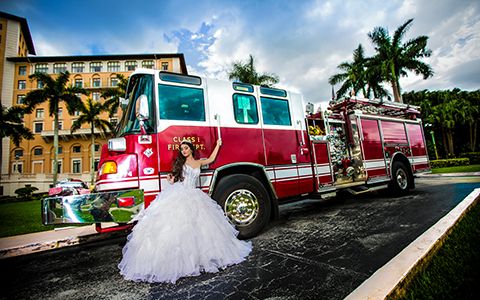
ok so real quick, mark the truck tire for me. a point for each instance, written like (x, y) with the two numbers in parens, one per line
(401, 179)
(245, 202)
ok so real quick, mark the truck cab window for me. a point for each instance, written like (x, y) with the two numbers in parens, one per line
(275, 112)
(138, 85)
(245, 109)
(181, 103)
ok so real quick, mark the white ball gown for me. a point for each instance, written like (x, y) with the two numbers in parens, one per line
(182, 233)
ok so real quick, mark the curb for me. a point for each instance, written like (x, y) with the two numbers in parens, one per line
(387, 279)
(464, 174)
(51, 240)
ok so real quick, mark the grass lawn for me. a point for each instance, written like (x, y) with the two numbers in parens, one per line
(457, 169)
(454, 271)
(20, 218)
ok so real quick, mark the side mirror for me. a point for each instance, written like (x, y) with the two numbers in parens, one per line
(123, 102)
(143, 111)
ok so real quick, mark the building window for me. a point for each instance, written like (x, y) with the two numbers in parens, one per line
(17, 167)
(59, 166)
(59, 68)
(95, 67)
(78, 67)
(79, 82)
(38, 127)
(76, 113)
(77, 149)
(95, 164)
(18, 153)
(60, 149)
(113, 81)
(97, 147)
(39, 84)
(114, 121)
(113, 66)
(60, 112)
(130, 65)
(76, 166)
(41, 68)
(38, 151)
(22, 84)
(96, 96)
(22, 70)
(164, 66)
(148, 64)
(20, 99)
(96, 82)
(40, 113)
(60, 125)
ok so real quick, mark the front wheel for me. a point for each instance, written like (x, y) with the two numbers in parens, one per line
(245, 202)
(401, 178)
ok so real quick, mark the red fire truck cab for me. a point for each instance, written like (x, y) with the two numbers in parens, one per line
(271, 149)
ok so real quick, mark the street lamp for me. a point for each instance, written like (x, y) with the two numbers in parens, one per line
(428, 125)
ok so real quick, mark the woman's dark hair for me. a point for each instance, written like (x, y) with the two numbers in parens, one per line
(177, 171)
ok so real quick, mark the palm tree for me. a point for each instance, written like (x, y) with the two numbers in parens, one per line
(90, 114)
(246, 73)
(54, 91)
(353, 76)
(113, 95)
(395, 58)
(12, 126)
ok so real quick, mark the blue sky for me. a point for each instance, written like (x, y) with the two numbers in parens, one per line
(301, 41)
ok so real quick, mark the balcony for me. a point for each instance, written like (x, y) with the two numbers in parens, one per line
(65, 135)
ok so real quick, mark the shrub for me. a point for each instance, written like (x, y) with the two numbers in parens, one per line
(443, 163)
(26, 192)
(474, 157)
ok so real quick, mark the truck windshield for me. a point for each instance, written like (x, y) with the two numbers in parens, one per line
(138, 85)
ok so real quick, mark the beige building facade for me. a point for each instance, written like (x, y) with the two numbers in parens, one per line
(32, 162)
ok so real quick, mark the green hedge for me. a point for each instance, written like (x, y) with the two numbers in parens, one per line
(443, 163)
(474, 157)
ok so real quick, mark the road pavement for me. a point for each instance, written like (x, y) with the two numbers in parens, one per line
(318, 249)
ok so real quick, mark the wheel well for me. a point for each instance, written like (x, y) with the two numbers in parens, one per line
(256, 172)
(400, 157)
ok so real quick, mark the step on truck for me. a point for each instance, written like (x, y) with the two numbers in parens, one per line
(275, 148)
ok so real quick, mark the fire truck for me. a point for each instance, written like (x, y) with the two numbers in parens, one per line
(273, 149)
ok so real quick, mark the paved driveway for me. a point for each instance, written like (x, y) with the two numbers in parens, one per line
(318, 249)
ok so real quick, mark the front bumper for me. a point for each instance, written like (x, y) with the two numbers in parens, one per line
(118, 206)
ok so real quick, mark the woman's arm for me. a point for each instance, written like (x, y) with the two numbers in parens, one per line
(213, 155)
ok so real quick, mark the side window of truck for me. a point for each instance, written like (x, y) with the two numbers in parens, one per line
(245, 109)
(181, 103)
(275, 111)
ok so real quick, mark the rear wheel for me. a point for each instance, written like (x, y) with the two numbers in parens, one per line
(401, 178)
(245, 202)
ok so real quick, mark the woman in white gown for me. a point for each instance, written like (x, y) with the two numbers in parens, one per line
(183, 232)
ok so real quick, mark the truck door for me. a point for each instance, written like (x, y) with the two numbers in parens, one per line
(375, 163)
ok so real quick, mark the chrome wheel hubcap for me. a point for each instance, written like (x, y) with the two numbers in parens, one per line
(402, 179)
(241, 207)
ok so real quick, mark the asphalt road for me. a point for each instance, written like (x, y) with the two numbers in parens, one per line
(318, 249)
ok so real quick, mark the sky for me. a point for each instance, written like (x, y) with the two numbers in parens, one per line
(302, 42)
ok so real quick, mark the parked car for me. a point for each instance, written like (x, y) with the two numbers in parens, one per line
(69, 186)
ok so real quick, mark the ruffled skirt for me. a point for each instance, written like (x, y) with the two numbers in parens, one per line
(182, 233)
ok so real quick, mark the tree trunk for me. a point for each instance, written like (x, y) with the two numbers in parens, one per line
(55, 146)
(395, 86)
(475, 125)
(472, 143)
(451, 150)
(92, 161)
(445, 144)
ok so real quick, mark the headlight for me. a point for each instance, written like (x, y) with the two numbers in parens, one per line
(109, 167)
